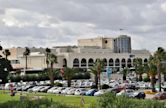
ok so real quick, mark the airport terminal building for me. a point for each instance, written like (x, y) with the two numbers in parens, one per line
(115, 52)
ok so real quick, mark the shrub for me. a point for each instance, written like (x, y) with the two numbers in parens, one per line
(85, 75)
(93, 87)
(41, 103)
(109, 100)
(58, 84)
(146, 79)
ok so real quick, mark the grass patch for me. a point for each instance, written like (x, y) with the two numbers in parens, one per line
(70, 100)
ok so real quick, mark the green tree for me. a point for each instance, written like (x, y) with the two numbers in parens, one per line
(5, 68)
(125, 72)
(69, 74)
(7, 53)
(138, 68)
(51, 59)
(152, 72)
(159, 56)
(163, 70)
(26, 53)
(96, 70)
(146, 70)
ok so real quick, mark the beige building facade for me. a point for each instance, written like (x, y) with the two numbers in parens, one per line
(101, 42)
(79, 56)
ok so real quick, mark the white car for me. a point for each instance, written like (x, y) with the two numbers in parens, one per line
(37, 88)
(100, 92)
(51, 90)
(126, 92)
(58, 90)
(80, 91)
(71, 91)
(65, 90)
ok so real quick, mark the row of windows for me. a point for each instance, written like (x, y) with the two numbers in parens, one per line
(111, 62)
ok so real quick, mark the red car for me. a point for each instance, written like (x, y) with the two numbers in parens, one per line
(160, 96)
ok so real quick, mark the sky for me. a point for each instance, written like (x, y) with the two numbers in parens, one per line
(48, 23)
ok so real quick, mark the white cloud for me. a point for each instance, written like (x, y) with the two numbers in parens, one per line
(59, 22)
(163, 6)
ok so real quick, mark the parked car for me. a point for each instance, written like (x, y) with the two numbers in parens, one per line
(127, 92)
(19, 88)
(80, 91)
(115, 89)
(71, 91)
(58, 90)
(138, 95)
(65, 90)
(100, 92)
(44, 89)
(91, 92)
(27, 87)
(38, 89)
(160, 96)
(132, 86)
(51, 89)
(32, 89)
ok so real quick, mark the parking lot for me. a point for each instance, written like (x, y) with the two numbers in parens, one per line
(130, 88)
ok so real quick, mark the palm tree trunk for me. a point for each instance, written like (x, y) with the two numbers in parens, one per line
(140, 77)
(26, 67)
(148, 76)
(96, 81)
(47, 60)
(68, 82)
(124, 77)
(51, 75)
(153, 83)
(159, 76)
(137, 77)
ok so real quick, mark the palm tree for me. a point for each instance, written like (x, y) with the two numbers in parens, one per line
(5, 68)
(138, 68)
(152, 72)
(163, 70)
(48, 51)
(68, 74)
(159, 56)
(124, 72)
(51, 59)
(146, 70)
(96, 70)
(6, 53)
(26, 53)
